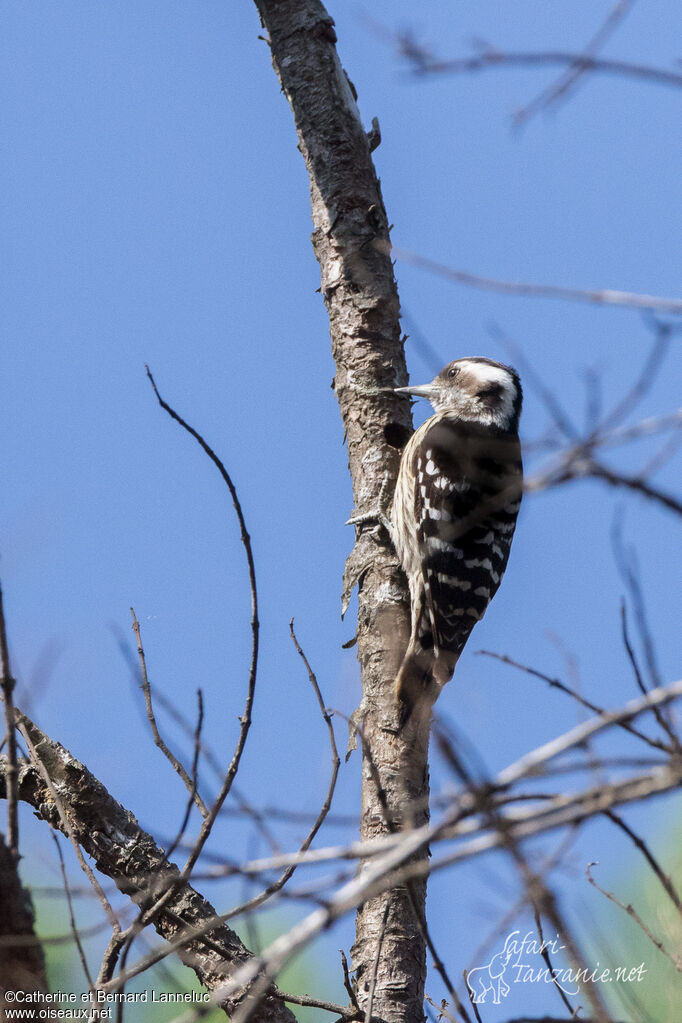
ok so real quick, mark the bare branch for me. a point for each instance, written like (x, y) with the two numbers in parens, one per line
(635, 483)
(645, 379)
(674, 958)
(491, 58)
(667, 884)
(544, 952)
(32, 737)
(72, 918)
(658, 714)
(609, 297)
(347, 982)
(559, 89)
(275, 886)
(130, 857)
(538, 893)
(576, 736)
(190, 784)
(556, 683)
(245, 720)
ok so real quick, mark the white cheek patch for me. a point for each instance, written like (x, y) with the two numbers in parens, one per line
(485, 374)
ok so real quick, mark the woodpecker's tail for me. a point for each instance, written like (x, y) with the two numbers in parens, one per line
(421, 678)
(414, 683)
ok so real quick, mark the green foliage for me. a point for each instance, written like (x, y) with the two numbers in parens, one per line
(657, 997)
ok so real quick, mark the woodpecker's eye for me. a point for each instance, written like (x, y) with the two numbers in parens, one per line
(452, 372)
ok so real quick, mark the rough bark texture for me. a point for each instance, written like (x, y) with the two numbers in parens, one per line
(351, 242)
(111, 835)
(22, 966)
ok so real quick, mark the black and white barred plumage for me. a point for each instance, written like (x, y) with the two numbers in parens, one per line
(454, 511)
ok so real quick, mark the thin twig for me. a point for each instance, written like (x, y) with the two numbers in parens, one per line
(503, 924)
(559, 416)
(645, 428)
(260, 817)
(492, 58)
(667, 884)
(344, 1011)
(645, 379)
(658, 714)
(538, 893)
(194, 777)
(610, 297)
(175, 763)
(347, 981)
(245, 720)
(544, 952)
(674, 958)
(666, 452)
(629, 482)
(72, 916)
(277, 885)
(469, 991)
(263, 981)
(566, 81)
(626, 562)
(556, 683)
(576, 736)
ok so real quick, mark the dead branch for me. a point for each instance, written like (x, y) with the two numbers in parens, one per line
(122, 851)
(491, 58)
(674, 958)
(161, 896)
(556, 683)
(537, 892)
(245, 719)
(639, 842)
(390, 860)
(566, 81)
(609, 297)
(178, 767)
(72, 917)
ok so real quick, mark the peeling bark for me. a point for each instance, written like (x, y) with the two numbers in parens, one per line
(351, 242)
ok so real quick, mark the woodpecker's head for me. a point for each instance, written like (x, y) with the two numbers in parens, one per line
(477, 390)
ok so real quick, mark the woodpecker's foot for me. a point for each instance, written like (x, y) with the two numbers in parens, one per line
(367, 549)
(380, 514)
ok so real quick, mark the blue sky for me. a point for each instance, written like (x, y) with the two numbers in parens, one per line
(155, 209)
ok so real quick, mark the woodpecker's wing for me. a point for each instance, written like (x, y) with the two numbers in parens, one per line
(467, 497)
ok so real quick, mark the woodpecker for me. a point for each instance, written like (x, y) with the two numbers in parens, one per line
(454, 512)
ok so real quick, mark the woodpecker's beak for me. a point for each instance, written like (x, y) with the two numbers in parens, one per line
(420, 391)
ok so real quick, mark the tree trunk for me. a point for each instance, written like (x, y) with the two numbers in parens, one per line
(351, 242)
(22, 966)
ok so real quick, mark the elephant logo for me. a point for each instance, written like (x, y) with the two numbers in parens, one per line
(484, 980)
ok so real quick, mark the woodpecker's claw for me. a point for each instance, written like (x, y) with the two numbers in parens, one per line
(380, 514)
